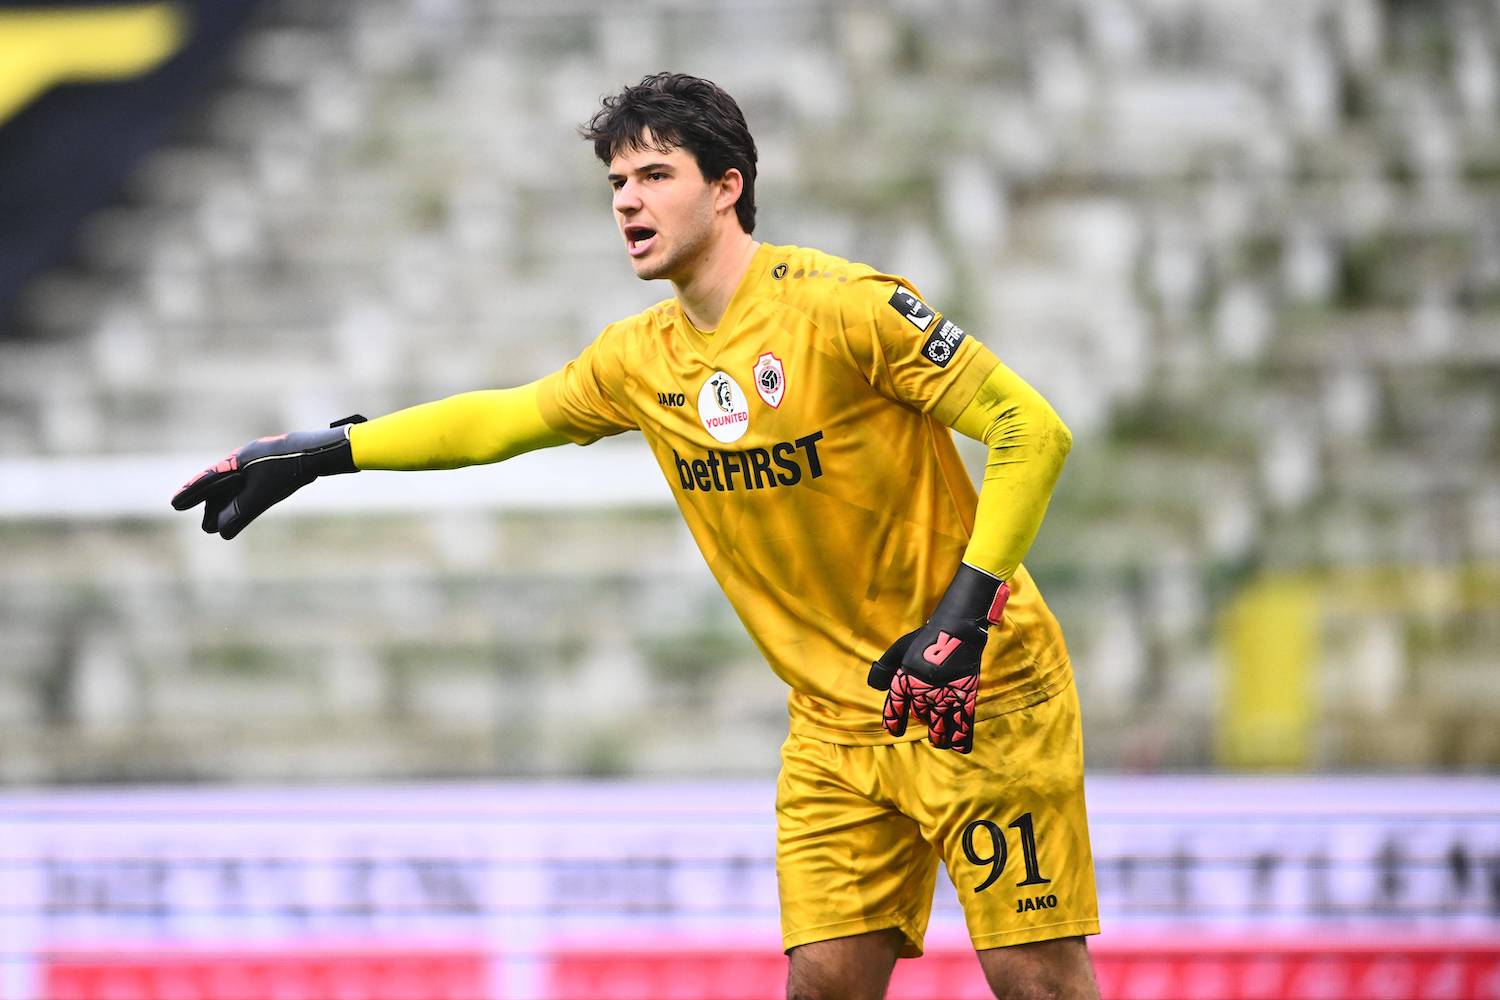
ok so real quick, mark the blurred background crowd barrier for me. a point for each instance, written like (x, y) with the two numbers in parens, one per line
(1250, 250)
(1211, 888)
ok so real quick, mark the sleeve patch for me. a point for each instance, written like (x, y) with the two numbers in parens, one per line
(943, 343)
(914, 309)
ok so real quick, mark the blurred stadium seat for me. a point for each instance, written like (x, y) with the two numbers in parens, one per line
(1251, 251)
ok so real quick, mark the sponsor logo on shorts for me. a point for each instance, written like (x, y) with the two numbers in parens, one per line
(1047, 902)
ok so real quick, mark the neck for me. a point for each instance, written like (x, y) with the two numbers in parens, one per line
(705, 294)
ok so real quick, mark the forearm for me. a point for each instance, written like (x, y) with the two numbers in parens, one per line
(1028, 443)
(473, 428)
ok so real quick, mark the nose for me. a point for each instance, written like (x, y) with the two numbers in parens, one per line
(627, 199)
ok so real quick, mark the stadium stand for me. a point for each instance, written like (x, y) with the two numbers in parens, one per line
(1250, 250)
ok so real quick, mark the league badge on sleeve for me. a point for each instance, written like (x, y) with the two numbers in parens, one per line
(917, 312)
(770, 379)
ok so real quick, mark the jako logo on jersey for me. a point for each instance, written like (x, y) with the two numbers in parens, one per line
(943, 343)
(672, 398)
(727, 471)
(913, 308)
(723, 408)
(770, 379)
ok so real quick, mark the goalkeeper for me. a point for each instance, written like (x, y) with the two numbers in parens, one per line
(799, 406)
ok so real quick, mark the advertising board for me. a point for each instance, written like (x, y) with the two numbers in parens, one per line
(1209, 887)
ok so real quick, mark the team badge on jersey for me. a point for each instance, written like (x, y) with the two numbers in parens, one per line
(770, 379)
(723, 408)
(914, 309)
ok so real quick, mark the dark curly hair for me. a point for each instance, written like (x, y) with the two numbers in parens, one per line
(680, 111)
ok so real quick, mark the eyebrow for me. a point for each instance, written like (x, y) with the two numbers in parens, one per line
(645, 169)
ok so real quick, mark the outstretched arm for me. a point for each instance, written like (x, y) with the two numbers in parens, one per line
(473, 428)
(469, 429)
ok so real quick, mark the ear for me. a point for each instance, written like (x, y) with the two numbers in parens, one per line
(729, 188)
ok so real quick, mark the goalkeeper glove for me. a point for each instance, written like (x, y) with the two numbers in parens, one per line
(250, 480)
(933, 672)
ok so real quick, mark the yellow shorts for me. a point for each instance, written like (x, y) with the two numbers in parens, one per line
(859, 832)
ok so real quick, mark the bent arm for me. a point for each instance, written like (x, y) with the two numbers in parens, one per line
(1027, 445)
(472, 428)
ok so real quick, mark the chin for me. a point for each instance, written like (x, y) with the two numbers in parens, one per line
(651, 270)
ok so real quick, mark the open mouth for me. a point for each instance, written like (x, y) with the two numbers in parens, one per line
(639, 239)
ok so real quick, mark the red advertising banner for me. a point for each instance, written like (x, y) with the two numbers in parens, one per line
(1392, 968)
(363, 974)
(1182, 969)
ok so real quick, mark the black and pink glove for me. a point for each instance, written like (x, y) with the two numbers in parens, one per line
(249, 480)
(933, 672)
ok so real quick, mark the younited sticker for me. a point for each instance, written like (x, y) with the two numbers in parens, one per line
(723, 408)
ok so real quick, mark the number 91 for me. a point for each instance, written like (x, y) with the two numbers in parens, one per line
(994, 852)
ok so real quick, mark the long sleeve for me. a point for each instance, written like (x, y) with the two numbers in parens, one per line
(472, 428)
(1028, 443)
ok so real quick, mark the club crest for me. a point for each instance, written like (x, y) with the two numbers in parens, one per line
(770, 379)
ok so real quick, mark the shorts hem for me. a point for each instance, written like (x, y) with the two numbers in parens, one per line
(910, 948)
(1044, 932)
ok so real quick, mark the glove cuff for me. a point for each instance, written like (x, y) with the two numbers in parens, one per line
(340, 456)
(322, 453)
(975, 596)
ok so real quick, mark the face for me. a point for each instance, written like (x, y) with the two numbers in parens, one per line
(665, 210)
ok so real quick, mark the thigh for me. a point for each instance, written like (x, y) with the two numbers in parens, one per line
(847, 862)
(848, 968)
(1059, 969)
(1010, 821)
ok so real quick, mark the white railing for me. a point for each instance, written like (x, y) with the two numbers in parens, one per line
(609, 475)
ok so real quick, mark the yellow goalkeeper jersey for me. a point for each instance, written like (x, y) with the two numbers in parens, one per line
(806, 443)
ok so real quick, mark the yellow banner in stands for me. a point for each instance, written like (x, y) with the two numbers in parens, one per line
(1270, 636)
(41, 47)
(1299, 654)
